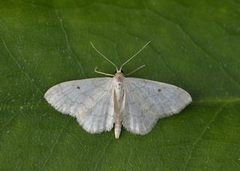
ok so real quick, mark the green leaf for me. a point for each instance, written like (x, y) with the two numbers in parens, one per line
(194, 45)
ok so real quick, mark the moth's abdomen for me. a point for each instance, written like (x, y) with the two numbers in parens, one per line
(118, 127)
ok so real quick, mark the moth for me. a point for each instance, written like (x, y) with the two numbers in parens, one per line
(99, 104)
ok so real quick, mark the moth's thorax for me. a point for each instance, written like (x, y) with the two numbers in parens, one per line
(118, 80)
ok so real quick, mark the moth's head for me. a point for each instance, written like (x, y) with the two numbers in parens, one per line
(119, 76)
(119, 71)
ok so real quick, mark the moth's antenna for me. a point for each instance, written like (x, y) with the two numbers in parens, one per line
(103, 73)
(104, 56)
(135, 70)
(134, 55)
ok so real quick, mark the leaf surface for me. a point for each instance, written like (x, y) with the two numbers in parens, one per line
(194, 45)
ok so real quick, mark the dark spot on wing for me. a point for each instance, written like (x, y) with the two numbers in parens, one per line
(78, 87)
(159, 90)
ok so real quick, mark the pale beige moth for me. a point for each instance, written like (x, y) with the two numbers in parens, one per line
(99, 104)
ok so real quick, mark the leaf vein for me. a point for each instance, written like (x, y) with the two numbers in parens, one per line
(196, 44)
(72, 55)
(19, 65)
(54, 145)
(206, 128)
